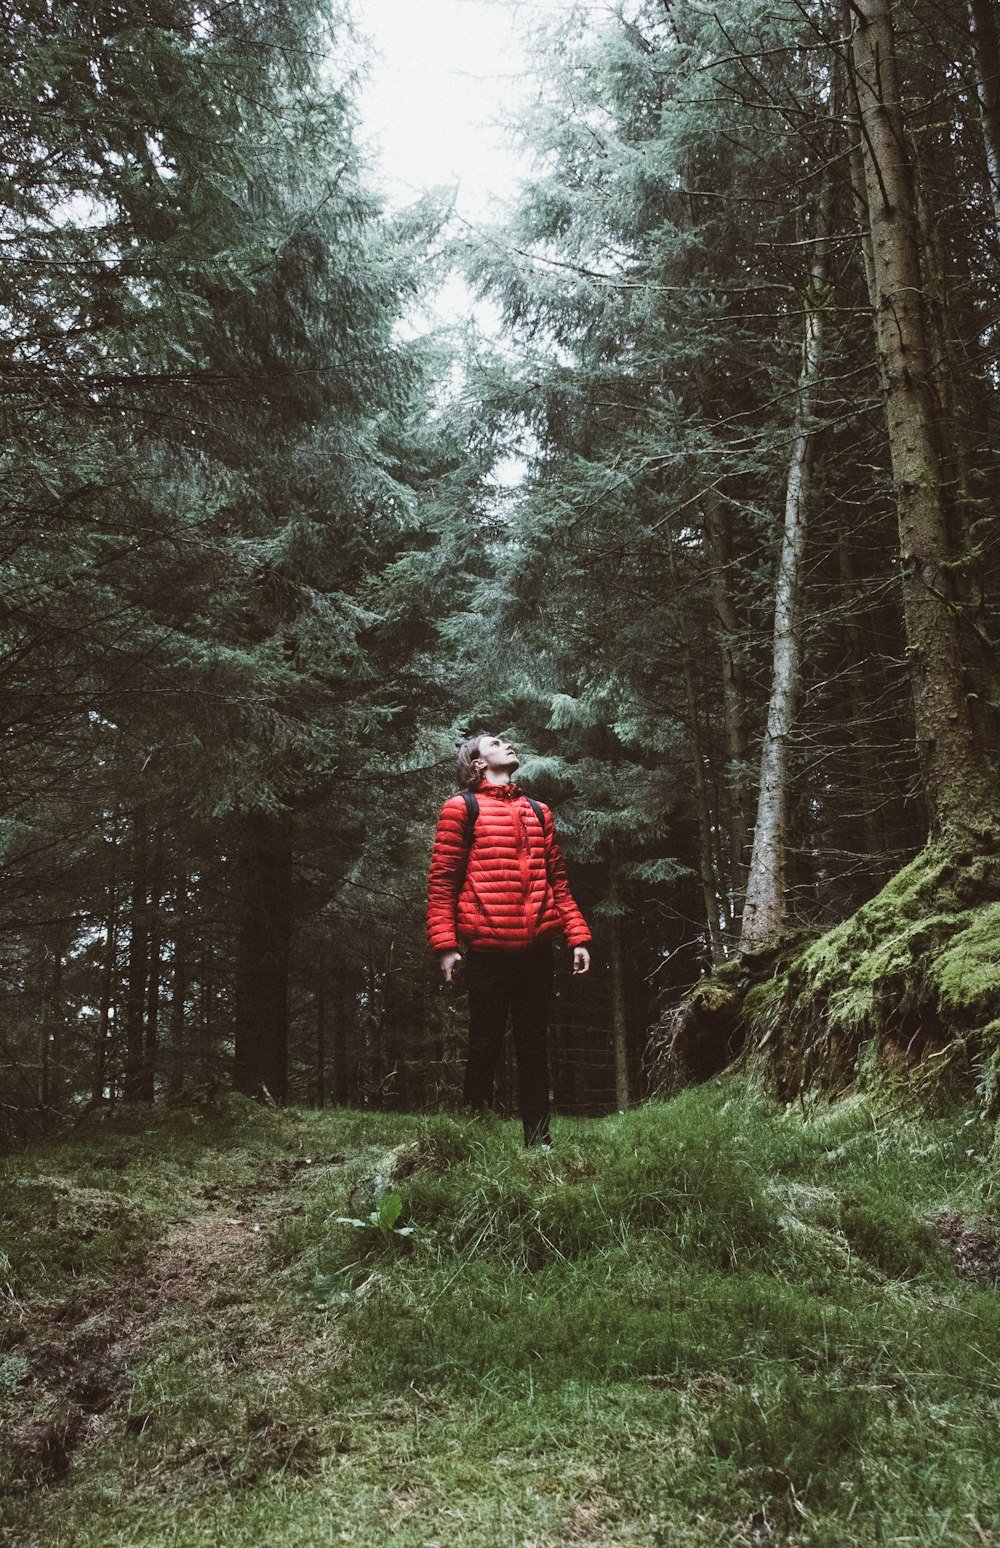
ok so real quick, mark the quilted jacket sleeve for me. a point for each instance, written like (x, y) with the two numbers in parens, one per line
(573, 923)
(447, 865)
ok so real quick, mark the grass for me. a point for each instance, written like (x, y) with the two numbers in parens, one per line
(709, 1321)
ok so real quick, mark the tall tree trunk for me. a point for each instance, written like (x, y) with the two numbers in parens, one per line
(719, 551)
(380, 980)
(710, 889)
(983, 27)
(261, 1066)
(856, 168)
(764, 911)
(321, 969)
(706, 868)
(959, 789)
(105, 1028)
(138, 964)
(866, 761)
(619, 1019)
(956, 466)
(208, 1042)
(346, 1002)
(151, 1032)
(176, 1071)
(50, 1037)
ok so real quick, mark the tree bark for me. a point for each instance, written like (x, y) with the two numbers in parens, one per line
(346, 1002)
(261, 1063)
(764, 910)
(619, 1008)
(151, 1032)
(209, 1044)
(960, 792)
(321, 969)
(706, 866)
(619, 1019)
(105, 1028)
(138, 965)
(986, 50)
(872, 827)
(179, 984)
(50, 1037)
(718, 545)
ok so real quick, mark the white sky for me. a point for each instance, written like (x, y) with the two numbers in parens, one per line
(444, 77)
(445, 80)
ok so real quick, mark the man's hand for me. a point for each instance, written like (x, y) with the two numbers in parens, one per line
(449, 962)
(581, 960)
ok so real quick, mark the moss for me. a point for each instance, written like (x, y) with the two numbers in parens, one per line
(759, 1000)
(913, 976)
(886, 1234)
(967, 972)
(697, 1038)
(85, 1231)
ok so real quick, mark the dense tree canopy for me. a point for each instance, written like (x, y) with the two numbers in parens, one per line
(260, 574)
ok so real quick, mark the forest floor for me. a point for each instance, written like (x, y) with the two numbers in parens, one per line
(708, 1321)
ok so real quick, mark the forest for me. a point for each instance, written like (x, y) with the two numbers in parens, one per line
(262, 569)
(707, 526)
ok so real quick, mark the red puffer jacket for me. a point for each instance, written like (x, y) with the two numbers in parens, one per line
(515, 890)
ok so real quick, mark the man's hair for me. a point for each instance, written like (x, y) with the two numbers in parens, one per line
(467, 773)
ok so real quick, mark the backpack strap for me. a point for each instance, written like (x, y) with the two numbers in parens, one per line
(539, 811)
(471, 813)
(536, 807)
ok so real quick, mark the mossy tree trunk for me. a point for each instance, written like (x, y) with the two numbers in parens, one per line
(957, 782)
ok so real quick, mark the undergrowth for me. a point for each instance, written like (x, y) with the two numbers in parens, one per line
(710, 1321)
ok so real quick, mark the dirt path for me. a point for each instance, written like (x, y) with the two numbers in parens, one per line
(200, 1275)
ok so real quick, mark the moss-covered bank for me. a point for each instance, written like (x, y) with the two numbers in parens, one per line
(909, 985)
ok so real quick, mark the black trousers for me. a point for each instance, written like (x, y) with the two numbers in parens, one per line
(518, 985)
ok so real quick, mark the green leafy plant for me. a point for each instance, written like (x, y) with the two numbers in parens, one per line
(383, 1218)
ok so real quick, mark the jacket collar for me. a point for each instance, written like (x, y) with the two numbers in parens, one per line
(498, 792)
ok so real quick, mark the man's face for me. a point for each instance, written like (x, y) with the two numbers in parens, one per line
(498, 755)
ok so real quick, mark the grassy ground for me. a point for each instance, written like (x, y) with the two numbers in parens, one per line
(710, 1321)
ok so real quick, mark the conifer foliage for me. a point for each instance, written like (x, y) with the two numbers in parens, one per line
(766, 543)
(198, 297)
(260, 572)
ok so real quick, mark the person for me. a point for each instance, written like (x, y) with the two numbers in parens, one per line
(498, 894)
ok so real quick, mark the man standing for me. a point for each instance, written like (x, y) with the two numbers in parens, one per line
(498, 891)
